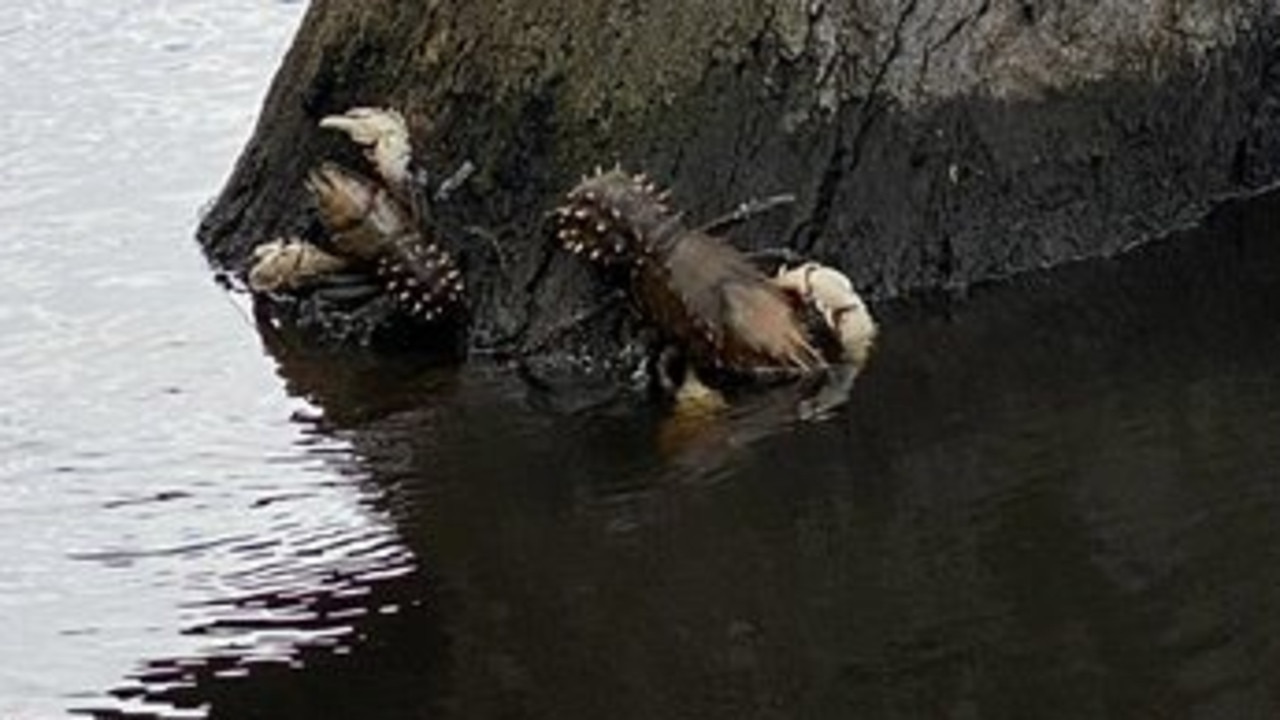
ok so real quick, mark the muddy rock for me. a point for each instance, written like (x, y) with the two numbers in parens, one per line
(929, 143)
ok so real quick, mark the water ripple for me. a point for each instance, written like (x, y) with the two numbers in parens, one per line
(152, 483)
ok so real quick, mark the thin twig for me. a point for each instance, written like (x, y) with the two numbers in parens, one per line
(746, 211)
(491, 238)
(455, 181)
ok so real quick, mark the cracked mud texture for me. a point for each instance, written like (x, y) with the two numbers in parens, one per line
(930, 143)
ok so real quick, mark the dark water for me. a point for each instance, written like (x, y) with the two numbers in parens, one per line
(1054, 498)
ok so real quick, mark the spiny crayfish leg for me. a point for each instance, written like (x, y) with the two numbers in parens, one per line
(771, 259)
(831, 394)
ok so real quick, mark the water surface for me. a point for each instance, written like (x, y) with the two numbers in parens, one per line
(1055, 498)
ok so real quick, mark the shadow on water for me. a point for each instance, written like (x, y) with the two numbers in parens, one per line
(1059, 498)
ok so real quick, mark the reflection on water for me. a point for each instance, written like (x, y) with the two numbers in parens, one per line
(1057, 498)
(147, 460)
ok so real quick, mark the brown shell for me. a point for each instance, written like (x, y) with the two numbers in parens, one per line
(699, 290)
(367, 223)
(361, 215)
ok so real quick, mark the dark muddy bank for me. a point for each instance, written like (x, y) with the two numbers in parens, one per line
(931, 144)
